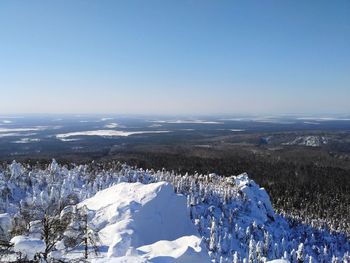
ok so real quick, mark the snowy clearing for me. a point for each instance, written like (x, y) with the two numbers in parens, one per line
(27, 140)
(187, 122)
(3, 130)
(112, 125)
(105, 133)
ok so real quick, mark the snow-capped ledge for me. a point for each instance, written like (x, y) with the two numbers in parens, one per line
(260, 205)
(145, 223)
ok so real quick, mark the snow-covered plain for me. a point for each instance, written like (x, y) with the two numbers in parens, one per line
(187, 122)
(155, 216)
(27, 140)
(112, 125)
(3, 130)
(324, 118)
(237, 130)
(6, 121)
(105, 133)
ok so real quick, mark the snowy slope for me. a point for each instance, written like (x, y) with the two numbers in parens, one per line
(145, 222)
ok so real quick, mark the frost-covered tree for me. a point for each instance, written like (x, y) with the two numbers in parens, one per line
(267, 244)
(86, 234)
(53, 228)
(300, 253)
(252, 258)
(213, 236)
(293, 256)
(235, 257)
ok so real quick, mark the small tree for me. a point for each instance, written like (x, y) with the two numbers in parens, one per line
(90, 236)
(213, 237)
(53, 228)
(81, 233)
(300, 253)
(252, 251)
(267, 244)
(5, 248)
(235, 257)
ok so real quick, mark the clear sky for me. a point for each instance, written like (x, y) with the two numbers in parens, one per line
(166, 57)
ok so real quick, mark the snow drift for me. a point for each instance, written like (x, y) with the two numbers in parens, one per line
(28, 246)
(148, 222)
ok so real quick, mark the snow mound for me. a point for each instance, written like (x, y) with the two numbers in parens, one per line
(28, 246)
(145, 221)
(183, 249)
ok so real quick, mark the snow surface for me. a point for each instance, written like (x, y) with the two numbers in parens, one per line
(6, 121)
(112, 125)
(149, 222)
(183, 249)
(104, 133)
(28, 246)
(21, 129)
(324, 118)
(260, 205)
(187, 122)
(27, 140)
(106, 119)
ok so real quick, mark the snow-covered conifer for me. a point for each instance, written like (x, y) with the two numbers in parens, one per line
(213, 236)
(300, 253)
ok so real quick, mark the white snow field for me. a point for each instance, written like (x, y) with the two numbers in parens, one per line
(186, 122)
(105, 133)
(145, 222)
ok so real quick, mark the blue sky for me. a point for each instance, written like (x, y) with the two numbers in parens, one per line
(175, 57)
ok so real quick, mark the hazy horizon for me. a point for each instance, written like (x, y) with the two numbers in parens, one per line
(189, 116)
(175, 58)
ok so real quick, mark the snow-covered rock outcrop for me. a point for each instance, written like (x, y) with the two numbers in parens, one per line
(260, 207)
(148, 222)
